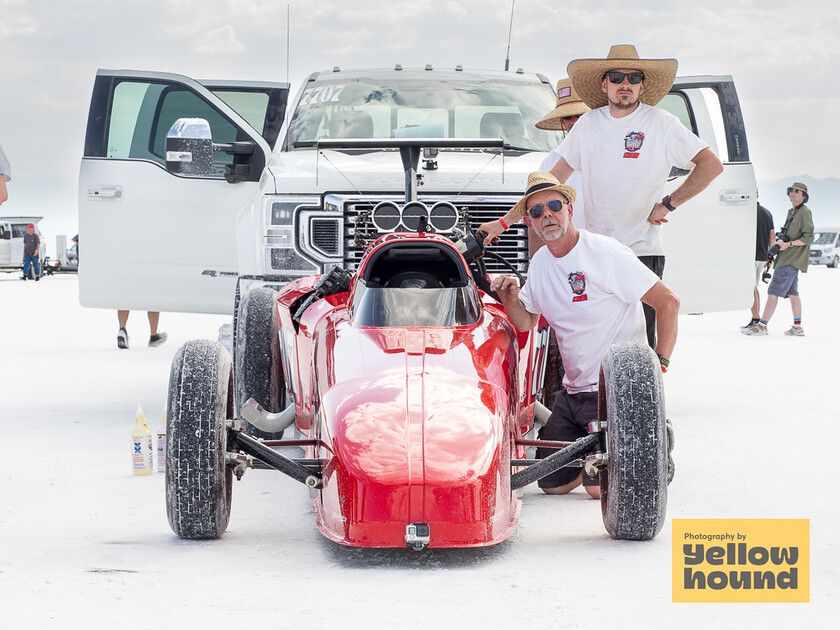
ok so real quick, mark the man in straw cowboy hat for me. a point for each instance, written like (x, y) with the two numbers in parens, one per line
(563, 117)
(791, 257)
(567, 111)
(625, 149)
(590, 288)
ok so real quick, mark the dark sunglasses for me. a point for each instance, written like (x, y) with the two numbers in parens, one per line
(790, 190)
(555, 205)
(634, 78)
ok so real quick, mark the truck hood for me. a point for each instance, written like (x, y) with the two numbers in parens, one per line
(311, 171)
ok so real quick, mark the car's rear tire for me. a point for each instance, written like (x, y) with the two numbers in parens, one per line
(258, 367)
(198, 483)
(634, 484)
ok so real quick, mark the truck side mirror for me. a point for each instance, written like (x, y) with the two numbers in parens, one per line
(189, 148)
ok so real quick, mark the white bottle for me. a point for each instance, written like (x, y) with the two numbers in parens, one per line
(141, 446)
(161, 443)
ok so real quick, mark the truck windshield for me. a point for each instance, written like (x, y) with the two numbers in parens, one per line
(426, 108)
(824, 238)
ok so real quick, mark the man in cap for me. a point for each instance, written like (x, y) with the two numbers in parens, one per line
(794, 241)
(590, 288)
(31, 245)
(625, 149)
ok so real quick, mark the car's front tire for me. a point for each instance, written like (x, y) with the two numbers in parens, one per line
(198, 483)
(634, 484)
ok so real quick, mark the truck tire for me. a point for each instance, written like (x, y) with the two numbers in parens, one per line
(198, 483)
(634, 484)
(258, 368)
(835, 262)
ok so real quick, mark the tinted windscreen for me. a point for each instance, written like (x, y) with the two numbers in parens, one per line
(824, 238)
(423, 109)
(427, 308)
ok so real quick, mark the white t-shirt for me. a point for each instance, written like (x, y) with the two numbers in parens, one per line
(590, 297)
(624, 163)
(575, 181)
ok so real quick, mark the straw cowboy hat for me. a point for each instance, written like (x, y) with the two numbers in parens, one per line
(568, 104)
(587, 75)
(538, 182)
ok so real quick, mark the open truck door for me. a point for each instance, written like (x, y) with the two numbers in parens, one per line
(720, 277)
(154, 239)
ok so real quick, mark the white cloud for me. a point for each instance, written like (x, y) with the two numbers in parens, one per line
(219, 41)
(16, 20)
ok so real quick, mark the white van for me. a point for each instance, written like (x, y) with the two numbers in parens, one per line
(825, 250)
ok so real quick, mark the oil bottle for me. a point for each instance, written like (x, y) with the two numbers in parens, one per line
(141, 445)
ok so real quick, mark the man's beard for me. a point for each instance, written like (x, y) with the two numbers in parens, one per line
(619, 104)
(553, 235)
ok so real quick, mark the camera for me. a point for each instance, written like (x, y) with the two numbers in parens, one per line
(775, 248)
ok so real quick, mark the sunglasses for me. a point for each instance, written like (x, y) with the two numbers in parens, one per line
(555, 205)
(633, 78)
(790, 190)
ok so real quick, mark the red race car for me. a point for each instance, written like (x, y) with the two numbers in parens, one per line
(414, 398)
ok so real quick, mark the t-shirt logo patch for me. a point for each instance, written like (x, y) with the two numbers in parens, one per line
(633, 143)
(578, 283)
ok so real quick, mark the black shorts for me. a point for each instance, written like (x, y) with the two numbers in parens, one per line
(568, 421)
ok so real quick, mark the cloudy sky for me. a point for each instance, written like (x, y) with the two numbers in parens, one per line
(783, 54)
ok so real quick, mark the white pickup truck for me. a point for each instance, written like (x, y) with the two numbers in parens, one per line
(288, 195)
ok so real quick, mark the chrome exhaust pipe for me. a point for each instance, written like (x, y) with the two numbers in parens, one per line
(266, 421)
(541, 413)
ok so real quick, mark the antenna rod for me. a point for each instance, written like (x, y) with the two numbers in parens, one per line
(288, 25)
(510, 30)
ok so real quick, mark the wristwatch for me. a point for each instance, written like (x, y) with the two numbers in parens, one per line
(666, 201)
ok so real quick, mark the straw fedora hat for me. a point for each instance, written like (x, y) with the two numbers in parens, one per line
(587, 75)
(568, 104)
(543, 181)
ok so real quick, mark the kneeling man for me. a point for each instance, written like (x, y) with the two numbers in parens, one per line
(590, 288)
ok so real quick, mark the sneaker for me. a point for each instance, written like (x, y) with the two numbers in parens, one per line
(755, 329)
(156, 340)
(795, 331)
(752, 321)
(122, 339)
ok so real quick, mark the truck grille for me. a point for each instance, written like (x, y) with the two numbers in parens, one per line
(512, 246)
(326, 235)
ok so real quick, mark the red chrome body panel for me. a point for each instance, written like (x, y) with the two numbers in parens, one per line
(414, 425)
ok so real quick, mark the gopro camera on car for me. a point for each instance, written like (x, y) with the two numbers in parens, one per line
(417, 535)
